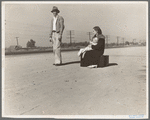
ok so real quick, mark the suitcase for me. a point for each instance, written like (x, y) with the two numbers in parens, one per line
(104, 61)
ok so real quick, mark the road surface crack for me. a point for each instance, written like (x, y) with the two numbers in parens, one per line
(30, 110)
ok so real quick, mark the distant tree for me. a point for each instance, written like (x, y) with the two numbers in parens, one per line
(143, 43)
(112, 44)
(28, 44)
(31, 43)
(127, 43)
(18, 47)
(131, 43)
(136, 43)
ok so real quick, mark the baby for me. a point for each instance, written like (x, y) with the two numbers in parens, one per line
(89, 47)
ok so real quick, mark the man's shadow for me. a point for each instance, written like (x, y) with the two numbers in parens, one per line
(75, 62)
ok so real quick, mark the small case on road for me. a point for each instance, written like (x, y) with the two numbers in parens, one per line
(104, 61)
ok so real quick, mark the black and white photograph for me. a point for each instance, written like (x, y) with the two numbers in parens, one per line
(75, 59)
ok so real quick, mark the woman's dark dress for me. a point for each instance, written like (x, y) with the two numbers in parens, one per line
(92, 57)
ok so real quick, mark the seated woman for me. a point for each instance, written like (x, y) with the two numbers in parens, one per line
(91, 58)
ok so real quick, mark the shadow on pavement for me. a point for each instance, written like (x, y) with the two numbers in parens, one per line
(110, 64)
(74, 62)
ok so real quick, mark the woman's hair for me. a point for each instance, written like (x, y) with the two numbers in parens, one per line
(97, 29)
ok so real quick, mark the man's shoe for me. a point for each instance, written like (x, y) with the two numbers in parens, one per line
(57, 64)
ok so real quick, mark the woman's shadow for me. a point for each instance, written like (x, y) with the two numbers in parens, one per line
(75, 62)
(111, 64)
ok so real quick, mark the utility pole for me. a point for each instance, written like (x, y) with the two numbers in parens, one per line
(123, 41)
(89, 33)
(134, 41)
(17, 40)
(71, 32)
(117, 40)
(107, 38)
(70, 37)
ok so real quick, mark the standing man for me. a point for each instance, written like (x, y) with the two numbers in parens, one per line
(56, 31)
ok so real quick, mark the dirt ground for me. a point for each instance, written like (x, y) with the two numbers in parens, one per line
(33, 86)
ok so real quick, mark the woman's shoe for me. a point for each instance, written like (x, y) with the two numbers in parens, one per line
(57, 64)
(92, 66)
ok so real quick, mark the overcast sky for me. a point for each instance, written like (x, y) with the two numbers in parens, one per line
(28, 21)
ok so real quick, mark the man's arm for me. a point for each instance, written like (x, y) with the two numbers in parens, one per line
(51, 28)
(62, 25)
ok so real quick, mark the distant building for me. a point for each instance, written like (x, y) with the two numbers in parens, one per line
(14, 47)
(142, 42)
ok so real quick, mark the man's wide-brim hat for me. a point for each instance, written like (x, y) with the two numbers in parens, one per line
(55, 9)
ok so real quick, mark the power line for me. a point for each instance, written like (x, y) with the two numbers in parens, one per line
(117, 40)
(37, 35)
(107, 38)
(89, 33)
(123, 41)
(18, 29)
(26, 24)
